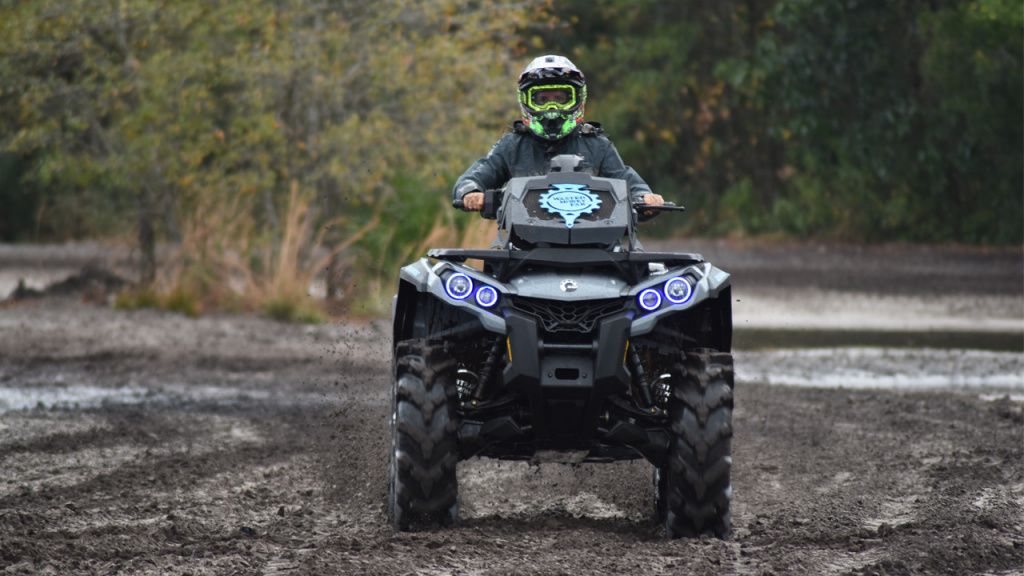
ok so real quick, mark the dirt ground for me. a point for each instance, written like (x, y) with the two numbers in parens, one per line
(148, 443)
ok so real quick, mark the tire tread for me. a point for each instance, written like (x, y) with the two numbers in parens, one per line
(698, 490)
(423, 487)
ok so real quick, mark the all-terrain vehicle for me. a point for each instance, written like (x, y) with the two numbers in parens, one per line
(567, 340)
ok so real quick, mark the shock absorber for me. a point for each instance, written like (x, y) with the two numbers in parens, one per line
(639, 379)
(487, 373)
(662, 389)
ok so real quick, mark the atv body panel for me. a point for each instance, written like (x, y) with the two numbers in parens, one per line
(566, 359)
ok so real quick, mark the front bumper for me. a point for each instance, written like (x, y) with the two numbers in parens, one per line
(566, 384)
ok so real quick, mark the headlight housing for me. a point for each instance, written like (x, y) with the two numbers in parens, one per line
(649, 299)
(486, 296)
(675, 290)
(678, 290)
(459, 286)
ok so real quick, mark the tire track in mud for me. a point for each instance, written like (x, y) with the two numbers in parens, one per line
(266, 453)
(826, 482)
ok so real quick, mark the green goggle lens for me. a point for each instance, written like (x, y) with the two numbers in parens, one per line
(550, 97)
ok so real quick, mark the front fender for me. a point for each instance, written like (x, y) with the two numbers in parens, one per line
(421, 280)
(712, 282)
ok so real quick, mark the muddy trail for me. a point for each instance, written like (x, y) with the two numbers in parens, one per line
(148, 443)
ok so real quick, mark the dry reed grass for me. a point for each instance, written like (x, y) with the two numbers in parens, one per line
(225, 262)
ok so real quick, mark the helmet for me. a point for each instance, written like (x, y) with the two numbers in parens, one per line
(552, 93)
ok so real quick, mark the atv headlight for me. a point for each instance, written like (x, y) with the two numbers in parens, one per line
(458, 286)
(486, 296)
(649, 299)
(678, 290)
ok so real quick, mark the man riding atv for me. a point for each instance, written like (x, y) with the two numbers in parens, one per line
(569, 343)
(552, 95)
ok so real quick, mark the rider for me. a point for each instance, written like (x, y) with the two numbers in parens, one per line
(552, 94)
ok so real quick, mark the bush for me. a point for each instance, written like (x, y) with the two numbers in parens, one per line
(296, 310)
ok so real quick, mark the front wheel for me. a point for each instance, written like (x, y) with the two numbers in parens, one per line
(659, 494)
(424, 444)
(695, 486)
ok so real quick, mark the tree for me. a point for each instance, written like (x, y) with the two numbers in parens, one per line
(205, 122)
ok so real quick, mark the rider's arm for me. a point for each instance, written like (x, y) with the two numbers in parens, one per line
(487, 173)
(612, 166)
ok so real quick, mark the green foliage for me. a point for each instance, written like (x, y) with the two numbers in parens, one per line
(191, 121)
(267, 140)
(862, 119)
(179, 300)
(294, 311)
(18, 204)
(135, 299)
(911, 115)
(182, 301)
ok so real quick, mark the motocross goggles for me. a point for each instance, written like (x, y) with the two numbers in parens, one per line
(545, 97)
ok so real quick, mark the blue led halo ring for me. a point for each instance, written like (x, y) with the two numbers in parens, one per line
(491, 298)
(678, 280)
(657, 303)
(448, 286)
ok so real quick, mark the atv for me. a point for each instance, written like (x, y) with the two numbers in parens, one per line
(565, 339)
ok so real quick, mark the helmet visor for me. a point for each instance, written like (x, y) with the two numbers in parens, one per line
(550, 97)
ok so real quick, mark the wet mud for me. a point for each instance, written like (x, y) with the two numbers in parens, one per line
(148, 443)
(240, 446)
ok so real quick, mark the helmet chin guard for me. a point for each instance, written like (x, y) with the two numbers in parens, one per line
(552, 96)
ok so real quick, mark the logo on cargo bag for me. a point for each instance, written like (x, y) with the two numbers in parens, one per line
(570, 201)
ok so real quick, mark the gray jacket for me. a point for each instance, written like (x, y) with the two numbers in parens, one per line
(520, 153)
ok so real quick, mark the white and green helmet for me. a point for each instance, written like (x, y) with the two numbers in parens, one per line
(552, 94)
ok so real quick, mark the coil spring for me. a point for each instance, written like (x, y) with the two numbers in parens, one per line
(465, 384)
(663, 390)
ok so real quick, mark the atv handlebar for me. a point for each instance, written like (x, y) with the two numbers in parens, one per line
(492, 201)
(666, 207)
(493, 198)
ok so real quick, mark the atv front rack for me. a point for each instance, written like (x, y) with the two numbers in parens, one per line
(505, 263)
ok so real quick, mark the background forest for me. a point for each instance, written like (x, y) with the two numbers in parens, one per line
(244, 147)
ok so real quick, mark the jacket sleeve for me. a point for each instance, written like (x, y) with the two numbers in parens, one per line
(491, 171)
(612, 166)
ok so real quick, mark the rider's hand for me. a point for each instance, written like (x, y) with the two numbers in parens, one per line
(653, 199)
(475, 201)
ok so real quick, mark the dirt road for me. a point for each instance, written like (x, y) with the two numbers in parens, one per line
(148, 443)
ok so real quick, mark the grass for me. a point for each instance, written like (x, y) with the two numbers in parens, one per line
(136, 298)
(299, 311)
(182, 301)
(227, 261)
(177, 300)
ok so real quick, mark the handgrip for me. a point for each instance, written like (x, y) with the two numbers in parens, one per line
(492, 201)
(666, 207)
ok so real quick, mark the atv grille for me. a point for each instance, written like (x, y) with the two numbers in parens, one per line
(558, 316)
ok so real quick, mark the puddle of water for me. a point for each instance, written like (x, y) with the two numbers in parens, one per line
(884, 368)
(83, 396)
(35, 278)
(67, 397)
(995, 397)
(770, 308)
(745, 338)
(992, 375)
